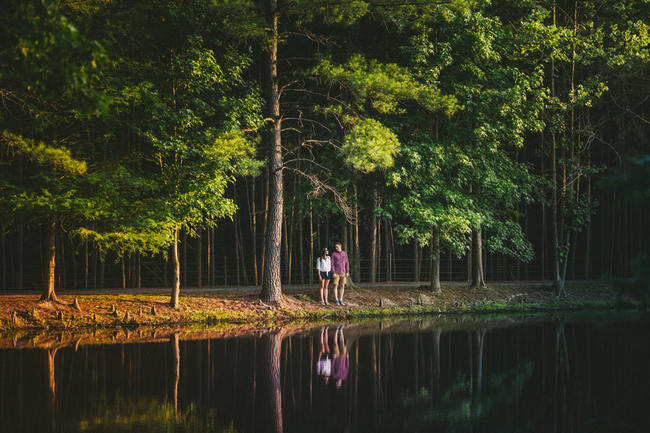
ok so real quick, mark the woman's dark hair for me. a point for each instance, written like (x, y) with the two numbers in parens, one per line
(322, 252)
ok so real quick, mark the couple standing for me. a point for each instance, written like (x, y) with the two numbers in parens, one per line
(337, 264)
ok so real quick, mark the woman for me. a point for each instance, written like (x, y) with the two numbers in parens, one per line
(324, 364)
(324, 270)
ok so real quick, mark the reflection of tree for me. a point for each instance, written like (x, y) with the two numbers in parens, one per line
(271, 351)
(50, 355)
(177, 369)
(456, 410)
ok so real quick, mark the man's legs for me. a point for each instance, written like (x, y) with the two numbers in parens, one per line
(336, 286)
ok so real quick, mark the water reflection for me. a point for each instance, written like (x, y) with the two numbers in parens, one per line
(557, 375)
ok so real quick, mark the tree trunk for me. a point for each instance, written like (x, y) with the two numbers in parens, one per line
(176, 285)
(558, 283)
(199, 258)
(373, 235)
(357, 251)
(478, 281)
(47, 293)
(271, 350)
(416, 260)
(311, 241)
(254, 231)
(272, 283)
(435, 258)
(185, 281)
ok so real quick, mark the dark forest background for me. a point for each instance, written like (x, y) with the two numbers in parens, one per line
(415, 133)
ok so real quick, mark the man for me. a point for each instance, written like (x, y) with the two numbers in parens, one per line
(341, 361)
(341, 270)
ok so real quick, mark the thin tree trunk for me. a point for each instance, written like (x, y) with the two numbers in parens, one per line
(311, 241)
(176, 285)
(558, 283)
(254, 230)
(123, 271)
(373, 235)
(416, 260)
(266, 215)
(544, 234)
(301, 253)
(435, 259)
(478, 280)
(186, 283)
(272, 283)
(587, 273)
(209, 257)
(48, 293)
(357, 251)
(199, 259)
(470, 264)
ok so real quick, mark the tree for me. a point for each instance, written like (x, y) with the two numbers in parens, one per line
(49, 90)
(194, 109)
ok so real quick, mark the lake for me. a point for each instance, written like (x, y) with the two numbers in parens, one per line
(584, 372)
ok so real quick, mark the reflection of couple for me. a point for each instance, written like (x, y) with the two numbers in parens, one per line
(337, 367)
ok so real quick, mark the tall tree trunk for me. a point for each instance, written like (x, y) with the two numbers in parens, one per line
(373, 235)
(416, 260)
(357, 251)
(478, 280)
(253, 220)
(301, 253)
(47, 293)
(311, 241)
(558, 283)
(199, 258)
(271, 352)
(544, 235)
(209, 257)
(435, 259)
(185, 264)
(470, 253)
(272, 283)
(176, 285)
(123, 271)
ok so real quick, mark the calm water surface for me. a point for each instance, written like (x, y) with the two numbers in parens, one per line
(545, 374)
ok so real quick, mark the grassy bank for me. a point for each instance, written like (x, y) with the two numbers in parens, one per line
(24, 312)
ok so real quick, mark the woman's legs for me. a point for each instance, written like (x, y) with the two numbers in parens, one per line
(322, 291)
(327, 283)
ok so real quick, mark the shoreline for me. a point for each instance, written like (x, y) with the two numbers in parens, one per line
(23, 312)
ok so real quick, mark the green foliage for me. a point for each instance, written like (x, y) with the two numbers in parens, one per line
(370, 145)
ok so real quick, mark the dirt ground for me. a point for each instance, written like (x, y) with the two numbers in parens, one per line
(243, 306)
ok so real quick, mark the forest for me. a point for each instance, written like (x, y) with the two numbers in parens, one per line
(205, 143)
